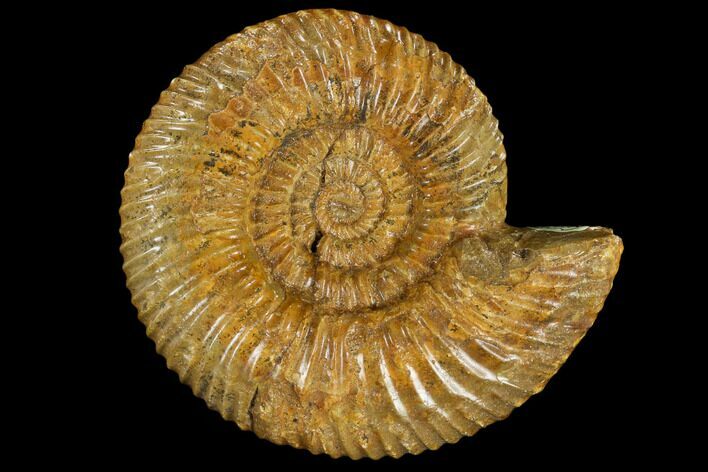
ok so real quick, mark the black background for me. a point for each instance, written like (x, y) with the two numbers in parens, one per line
(570, 91)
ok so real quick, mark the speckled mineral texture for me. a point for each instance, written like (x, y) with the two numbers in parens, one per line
(313, 233)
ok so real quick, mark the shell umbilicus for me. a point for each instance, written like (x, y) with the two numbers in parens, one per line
(313, 233)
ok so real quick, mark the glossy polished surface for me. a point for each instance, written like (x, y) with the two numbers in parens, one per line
(313, 234)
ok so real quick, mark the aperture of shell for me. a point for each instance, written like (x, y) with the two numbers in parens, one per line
(313, 234)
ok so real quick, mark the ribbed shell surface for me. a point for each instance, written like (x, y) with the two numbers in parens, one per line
(313, 234)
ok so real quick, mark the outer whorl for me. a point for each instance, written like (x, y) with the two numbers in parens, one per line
(313, 233)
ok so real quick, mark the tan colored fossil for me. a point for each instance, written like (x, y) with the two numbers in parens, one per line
(313, 234)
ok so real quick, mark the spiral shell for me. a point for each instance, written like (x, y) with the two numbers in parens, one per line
(313, 234)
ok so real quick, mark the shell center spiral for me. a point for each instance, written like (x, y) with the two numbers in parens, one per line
(342, 202)
(350, 200)
(332, 218)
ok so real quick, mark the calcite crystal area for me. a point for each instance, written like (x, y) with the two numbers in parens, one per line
(313, 233)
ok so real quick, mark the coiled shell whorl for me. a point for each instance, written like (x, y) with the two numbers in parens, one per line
(313, 234)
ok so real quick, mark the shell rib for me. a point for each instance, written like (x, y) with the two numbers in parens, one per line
(313, 234)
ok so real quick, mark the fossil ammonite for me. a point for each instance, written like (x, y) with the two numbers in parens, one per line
(313, 234)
